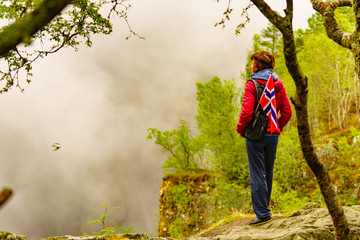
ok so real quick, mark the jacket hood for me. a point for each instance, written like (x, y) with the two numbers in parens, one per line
(264, 75)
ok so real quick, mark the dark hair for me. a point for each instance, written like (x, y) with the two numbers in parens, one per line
(263, 60)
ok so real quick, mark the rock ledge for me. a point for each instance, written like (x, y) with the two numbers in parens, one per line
(310, 223)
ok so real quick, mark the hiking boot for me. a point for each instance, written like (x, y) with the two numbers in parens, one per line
(259, 221)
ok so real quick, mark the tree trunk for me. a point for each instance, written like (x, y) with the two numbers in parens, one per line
(284, 24)
(356, 52)
(319, 169)
(355, 48)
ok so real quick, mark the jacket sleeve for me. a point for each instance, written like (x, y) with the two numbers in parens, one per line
(247, 109)
(285, 111)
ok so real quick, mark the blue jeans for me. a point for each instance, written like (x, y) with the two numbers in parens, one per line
(261, 158)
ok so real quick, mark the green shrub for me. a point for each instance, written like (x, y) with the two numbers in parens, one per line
(284, 201)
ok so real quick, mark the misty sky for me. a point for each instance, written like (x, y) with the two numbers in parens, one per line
(99, 102)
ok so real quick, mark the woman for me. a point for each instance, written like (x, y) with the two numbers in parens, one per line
(262, 153)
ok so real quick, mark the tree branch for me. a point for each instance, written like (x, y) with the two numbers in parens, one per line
(5, 194)
(284, 24)
(327, 11)
(270, 14)
(289, 11)
(23, 29)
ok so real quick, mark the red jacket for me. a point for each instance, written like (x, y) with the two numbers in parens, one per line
(247, 109)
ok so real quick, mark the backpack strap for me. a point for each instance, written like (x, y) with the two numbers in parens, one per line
(259, 90)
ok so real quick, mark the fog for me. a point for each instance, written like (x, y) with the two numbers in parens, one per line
(98, 104)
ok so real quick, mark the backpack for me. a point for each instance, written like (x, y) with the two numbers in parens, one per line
(257, 127)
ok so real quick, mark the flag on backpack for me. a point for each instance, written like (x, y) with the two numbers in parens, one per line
(268, 103)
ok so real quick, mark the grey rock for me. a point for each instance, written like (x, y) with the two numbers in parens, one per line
(310, 223)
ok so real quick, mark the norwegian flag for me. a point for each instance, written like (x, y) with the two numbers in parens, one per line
(268, 103)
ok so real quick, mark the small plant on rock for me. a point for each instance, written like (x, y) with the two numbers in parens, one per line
(109, 229)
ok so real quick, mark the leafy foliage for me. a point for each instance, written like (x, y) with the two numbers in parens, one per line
(229, 196)
(218, 112)
(72, 28)
(217, 145)
(341, 152)
(185, 150)
(271, 39)
(190, 202)
(108, 229)
(331, 77)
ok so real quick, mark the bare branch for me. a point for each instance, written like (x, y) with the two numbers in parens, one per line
(122, 14)
(226, 14)
(247, 18)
